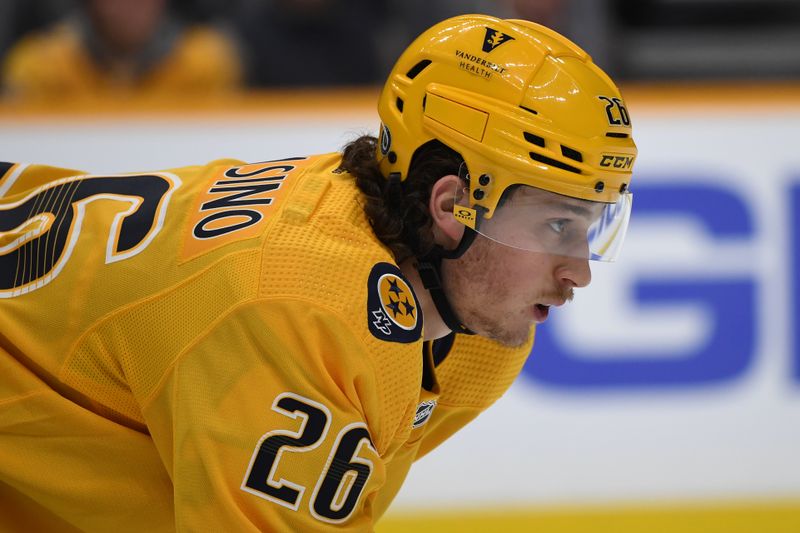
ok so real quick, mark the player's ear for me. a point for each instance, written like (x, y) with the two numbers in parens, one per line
(447, 231)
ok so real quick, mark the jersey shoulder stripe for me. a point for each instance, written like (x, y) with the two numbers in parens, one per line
(4, 168)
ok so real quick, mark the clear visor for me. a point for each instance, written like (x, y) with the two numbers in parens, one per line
(540, 221)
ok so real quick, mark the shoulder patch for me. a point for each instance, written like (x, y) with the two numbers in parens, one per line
(393, 313)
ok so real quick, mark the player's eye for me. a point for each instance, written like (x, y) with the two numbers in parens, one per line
(559, 226)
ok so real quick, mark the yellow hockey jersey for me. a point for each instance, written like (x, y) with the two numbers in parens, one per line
(224, 347)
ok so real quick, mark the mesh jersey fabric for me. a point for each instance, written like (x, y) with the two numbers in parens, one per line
(191, 349)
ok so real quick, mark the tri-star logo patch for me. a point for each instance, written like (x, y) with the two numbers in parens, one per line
(393, 313)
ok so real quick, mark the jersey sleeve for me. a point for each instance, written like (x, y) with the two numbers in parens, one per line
(266, 423)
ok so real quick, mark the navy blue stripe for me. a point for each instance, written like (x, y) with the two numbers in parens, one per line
(4, 167)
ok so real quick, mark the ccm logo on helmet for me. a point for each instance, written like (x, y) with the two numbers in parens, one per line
(616, 161)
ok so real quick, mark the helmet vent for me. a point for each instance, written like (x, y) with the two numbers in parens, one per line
(575, 155)
(534, 139)
(618, 135)
(553, 163)
(416, 69)
(399, 104)
(528, 109)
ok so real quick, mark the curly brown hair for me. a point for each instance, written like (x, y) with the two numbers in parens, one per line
(398, 210)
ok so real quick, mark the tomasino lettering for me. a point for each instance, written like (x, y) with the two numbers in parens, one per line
(235, 199)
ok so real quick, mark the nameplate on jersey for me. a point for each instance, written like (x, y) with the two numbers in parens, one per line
(393, 313)
(236, 203)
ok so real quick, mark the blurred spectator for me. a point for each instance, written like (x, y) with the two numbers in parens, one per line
(112, 47)
(18, 17)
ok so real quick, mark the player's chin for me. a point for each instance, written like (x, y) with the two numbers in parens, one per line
(511, 337)
(519, 340)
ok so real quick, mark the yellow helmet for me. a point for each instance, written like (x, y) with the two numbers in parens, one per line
(521, 104)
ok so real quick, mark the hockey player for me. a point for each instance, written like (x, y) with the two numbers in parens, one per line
(235, 346)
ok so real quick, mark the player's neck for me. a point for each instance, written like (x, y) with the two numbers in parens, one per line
(433, 327)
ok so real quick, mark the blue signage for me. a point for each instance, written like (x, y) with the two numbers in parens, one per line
(794, 269)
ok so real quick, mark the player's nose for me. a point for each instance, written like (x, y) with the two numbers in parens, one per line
(574, 272)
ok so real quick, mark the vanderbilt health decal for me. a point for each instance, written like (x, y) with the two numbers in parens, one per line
(392, 310)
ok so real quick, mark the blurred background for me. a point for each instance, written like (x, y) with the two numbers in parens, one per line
(666, 397)
(59, 48)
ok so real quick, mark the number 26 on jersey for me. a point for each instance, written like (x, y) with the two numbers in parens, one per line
(342, 480)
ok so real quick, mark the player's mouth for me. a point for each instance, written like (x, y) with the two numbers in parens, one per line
(540, 312)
